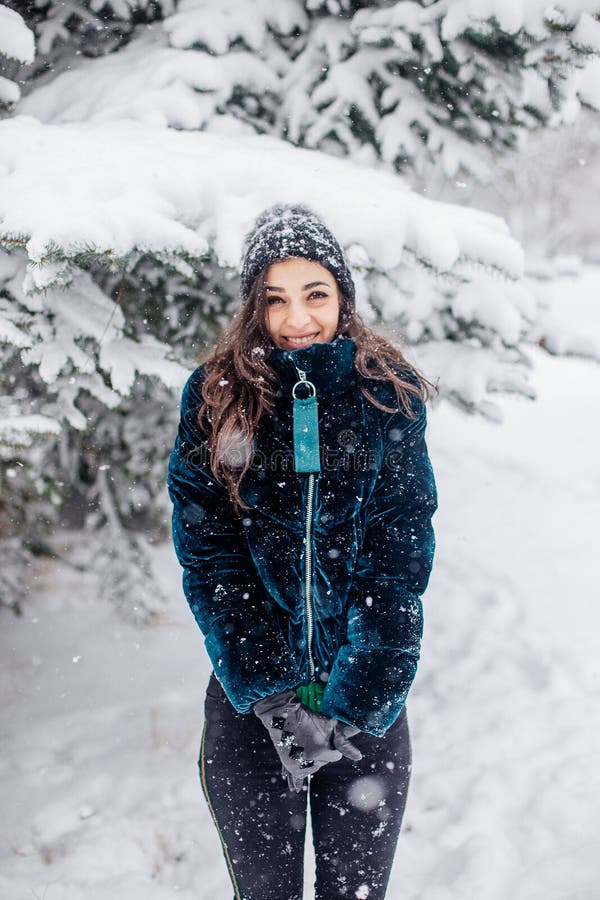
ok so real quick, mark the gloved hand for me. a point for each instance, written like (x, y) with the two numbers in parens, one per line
(341, 734)
(304, 740)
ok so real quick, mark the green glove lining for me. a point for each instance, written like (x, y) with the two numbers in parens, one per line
(311, 695)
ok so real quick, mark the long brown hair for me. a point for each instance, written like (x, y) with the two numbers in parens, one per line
(239, 386)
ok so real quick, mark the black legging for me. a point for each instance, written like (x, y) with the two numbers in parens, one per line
(356, 809)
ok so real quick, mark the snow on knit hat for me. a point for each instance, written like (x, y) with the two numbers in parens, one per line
(286, 230)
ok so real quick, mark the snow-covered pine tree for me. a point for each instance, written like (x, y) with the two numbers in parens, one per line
(76, 451)
(88, 27)
(403, 83)
(450, 83)
(114, 264)
(17, 46)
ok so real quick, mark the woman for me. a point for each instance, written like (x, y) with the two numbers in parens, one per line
(303, 495)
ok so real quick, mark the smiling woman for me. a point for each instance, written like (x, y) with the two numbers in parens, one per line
(302, 503)
(305, 307)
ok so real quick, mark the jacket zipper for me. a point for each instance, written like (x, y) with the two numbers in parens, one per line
(308, 523)
(308, 561)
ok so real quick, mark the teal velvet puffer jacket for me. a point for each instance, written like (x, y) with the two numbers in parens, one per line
(370, 555)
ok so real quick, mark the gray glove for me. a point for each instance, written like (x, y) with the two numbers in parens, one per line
(304, 740)
(341, 733)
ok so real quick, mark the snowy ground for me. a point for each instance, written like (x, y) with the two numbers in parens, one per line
(101, 721)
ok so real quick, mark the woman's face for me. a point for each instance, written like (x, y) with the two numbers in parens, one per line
(303, 303)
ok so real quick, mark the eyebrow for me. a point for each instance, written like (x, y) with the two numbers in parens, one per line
(311, 284)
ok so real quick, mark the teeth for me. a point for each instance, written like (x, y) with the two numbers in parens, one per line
(303, 340)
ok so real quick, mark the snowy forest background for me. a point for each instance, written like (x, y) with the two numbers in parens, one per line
(454, 148)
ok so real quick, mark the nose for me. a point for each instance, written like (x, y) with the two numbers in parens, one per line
(298, 317)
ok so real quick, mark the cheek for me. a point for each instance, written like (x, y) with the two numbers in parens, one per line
(333, 316)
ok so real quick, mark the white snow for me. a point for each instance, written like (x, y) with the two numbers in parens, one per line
(18, 431)
(217, 25)
(150, 82)
(121, 186)
(512, 15)
(9, 91)
(17, 42)
(16, 39)
(99, 756)
(589, 88)
(567, 322)
(587, 32)
(206, 66)
(52, 341)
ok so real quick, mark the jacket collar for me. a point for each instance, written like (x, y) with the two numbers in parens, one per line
(330, 367)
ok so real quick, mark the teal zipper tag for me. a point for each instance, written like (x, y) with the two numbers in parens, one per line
(306, 428)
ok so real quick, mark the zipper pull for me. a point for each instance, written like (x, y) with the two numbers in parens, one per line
(306, 426)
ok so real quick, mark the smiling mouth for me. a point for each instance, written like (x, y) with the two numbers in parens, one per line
(301, 340)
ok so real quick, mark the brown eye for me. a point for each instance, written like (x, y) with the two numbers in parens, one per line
(271, 301)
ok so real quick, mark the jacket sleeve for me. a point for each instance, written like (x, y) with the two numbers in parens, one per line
(243, 638)
(376, 664)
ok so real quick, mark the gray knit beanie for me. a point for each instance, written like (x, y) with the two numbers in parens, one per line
(293, 230)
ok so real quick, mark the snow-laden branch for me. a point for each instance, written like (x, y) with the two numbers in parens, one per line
(116, 191)
(16, 39)
(16, 42)
(120, 188)
(18, 431)
(408, 85)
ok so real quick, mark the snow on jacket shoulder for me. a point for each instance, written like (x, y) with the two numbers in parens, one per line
(372, 546)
